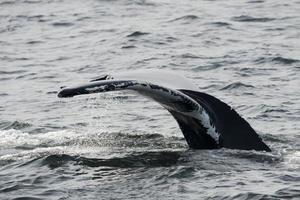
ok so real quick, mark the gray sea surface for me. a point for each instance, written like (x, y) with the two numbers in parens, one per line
(121, 145)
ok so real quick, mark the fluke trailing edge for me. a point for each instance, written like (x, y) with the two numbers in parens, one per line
(205, 121)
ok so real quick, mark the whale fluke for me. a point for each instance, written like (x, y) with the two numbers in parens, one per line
(205, 121)
(236, 132)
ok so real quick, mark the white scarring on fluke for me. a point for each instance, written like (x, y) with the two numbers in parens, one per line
(170, 96)
(198, 113)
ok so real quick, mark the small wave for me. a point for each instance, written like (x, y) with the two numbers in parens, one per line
(185, 18)
(275, 29)
(10, 188)
(276, 60)
(52, 92)
(256, 1)
(220, 24)
(4, 79)
(17, 125)
(182, 172)
(62, 24)
(210, 66)
(290, 178)
(3, 94)
(236, 85)
(246, 18)
(34, 42)
(12, 72)
(83, 18)
(275, 138)
(32, 1)
(32, 75)
(284, 60)
(142, 159)
(244, 196)
(128, 47)
(7, 3)
(275, 110)
(143, 3)
(60, 58)
(287, 193)
(15, 2)
(249, 72)
(31, 17)
(43, 77)
(189, 55)
(137, 34)
(54, 161)
(259, 157)
(26, 198)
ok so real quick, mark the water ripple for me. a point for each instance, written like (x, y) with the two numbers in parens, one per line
(185, 18)
(246, 18)
(62, 24)
(143, 159)
(137, 34)
(237, 85)
(276, 60)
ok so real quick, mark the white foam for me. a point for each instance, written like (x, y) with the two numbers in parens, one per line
(18, 145)
(292, 160)
(14, 138)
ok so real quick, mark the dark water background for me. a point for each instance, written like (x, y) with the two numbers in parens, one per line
(121, 145)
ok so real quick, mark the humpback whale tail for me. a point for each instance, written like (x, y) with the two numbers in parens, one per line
(205, 121)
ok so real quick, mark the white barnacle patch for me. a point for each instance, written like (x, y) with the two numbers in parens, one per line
(125, 84)
(110, 86)
(205, 121)
(175, 100)
(170, 99)
(96, 88)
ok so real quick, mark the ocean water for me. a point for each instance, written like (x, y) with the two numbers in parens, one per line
(121, 145)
